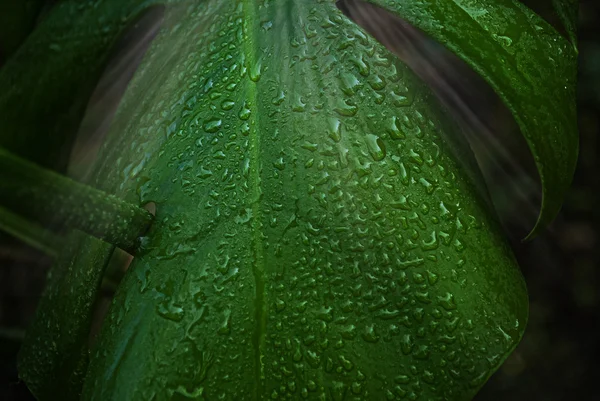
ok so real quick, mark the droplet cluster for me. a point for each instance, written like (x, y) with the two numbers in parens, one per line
(314, 239)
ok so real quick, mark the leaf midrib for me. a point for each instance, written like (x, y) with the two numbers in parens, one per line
(250, 50)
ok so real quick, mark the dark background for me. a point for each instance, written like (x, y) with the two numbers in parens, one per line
(559, 357)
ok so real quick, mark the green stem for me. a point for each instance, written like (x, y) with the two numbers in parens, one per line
(56, 201)
(28, 232)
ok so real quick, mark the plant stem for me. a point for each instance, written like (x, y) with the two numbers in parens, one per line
(57, 201)
(28, 232)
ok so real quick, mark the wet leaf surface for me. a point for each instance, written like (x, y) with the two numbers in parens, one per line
(315, 236)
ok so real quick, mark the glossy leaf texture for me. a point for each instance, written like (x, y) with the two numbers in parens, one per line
(528, 63)
(316, 236)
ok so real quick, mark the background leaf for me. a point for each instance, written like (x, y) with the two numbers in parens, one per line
(55, 355)
(530, 66)
(48, 81)
(567, 11)
(17, 20)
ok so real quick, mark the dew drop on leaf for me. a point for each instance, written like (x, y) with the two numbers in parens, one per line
(376, 147)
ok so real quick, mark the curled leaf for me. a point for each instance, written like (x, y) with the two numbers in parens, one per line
(528, 63)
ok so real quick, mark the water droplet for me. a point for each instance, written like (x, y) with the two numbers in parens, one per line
(227, 105)
(334, 129)
(170, 311)
(255, 71)
(245, 129)
(369, 334)
(279, 164)
(415, 157)
(298, 104)
(310, 31)
(377, 82)
(401, 203)
(402, 99)
(278, 99)
(325, 314)
(431, 244)
(245, 112)
(363, 67)
(345, 108)
(394, 129)
(212, 126)
(279, 305)
(504, 40)
(349, 83)
(447, 302)
(244, 216)
(204, 173)
(266, 25)
(338, 391)
(226, 324)
(406, 344)
(376, 147)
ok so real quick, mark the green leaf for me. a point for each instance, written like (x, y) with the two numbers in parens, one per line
(53, 359)
(567, 11)
(531, 67)
(317, 235)
(59, 202)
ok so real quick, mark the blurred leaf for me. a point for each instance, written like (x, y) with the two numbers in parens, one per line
(17, 20)
(54, 357)
(47, 83)
(32, 234)
(567, 11)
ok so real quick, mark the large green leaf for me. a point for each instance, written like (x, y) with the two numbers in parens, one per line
(316, 234)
